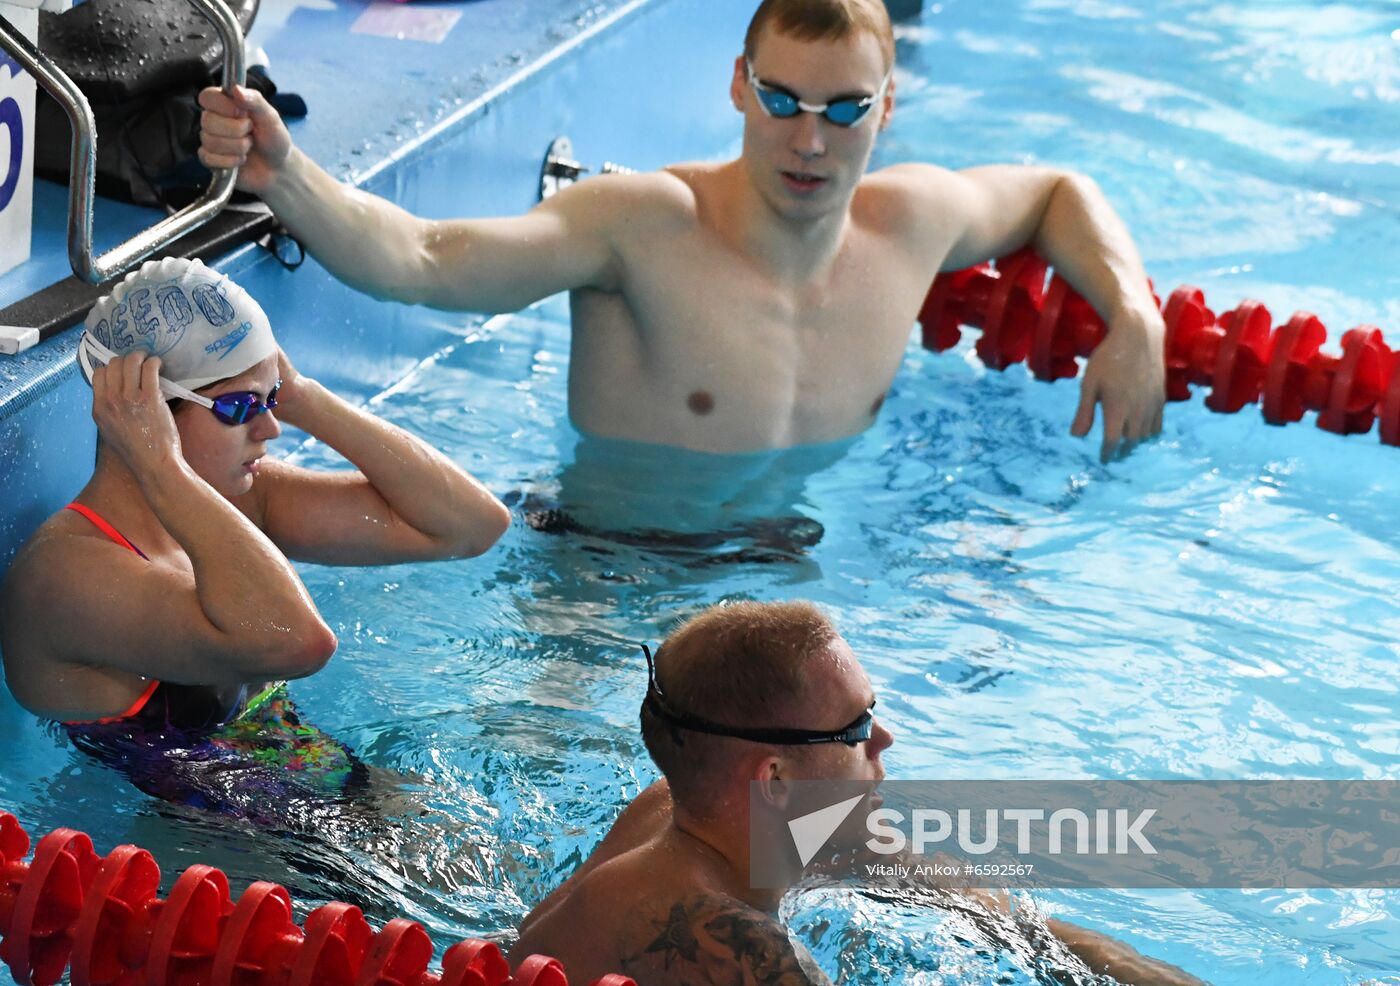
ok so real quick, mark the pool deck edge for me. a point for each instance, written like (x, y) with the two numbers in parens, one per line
(28, 376)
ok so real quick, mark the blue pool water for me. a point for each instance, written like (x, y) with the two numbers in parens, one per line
(1219, 605)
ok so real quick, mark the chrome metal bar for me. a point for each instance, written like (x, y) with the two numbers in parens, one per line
(83, 155)
(560, 170)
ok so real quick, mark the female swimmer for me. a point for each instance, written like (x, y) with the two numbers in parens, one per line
(163, 597)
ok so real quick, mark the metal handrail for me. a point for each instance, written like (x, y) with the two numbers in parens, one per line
(83, 153)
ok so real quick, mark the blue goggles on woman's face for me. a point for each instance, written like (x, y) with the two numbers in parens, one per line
(783, 105)
(238, 407)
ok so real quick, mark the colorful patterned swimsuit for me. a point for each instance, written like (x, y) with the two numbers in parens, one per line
(243, 751)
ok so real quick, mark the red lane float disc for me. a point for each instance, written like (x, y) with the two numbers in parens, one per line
(336, 937)
(1285, 379)
(540, 970)
(1186, 317)
(475, 957)
(112, 936)
(940, 316)
(1012, 310)
(1052, 351)
(47, 906)
(1040, 361)
(1087, 329)
(1390, 407)
(14, 841)
(260, 939)
(614, 980)
(397, 956)
(1239, 363)
(461, 974)
(974, 293)
(186, 934)
(1362, 376)
(14, 846)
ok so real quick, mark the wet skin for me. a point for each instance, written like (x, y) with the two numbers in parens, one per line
(782, 285)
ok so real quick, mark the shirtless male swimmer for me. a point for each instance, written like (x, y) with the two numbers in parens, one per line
(823, 268)
(666, 897)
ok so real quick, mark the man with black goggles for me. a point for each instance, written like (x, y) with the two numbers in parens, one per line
(857, 731)
(745, 705)
(741, 693)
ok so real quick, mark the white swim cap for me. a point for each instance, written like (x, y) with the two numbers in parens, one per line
(203, 326)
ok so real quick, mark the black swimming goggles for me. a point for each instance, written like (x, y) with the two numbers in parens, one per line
(857, 732)
(783, 105)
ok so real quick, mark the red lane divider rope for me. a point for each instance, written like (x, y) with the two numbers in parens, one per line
(99, 919)
(1239, 355)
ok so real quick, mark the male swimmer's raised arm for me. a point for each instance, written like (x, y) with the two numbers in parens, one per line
(990, 211)
(241, 615)
(406, 501)
(713, 939)
(487, 265)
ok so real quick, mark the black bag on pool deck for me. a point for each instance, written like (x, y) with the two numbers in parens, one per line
(141, 64)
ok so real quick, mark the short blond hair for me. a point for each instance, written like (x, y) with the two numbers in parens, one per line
(822, 20)
(741, 664)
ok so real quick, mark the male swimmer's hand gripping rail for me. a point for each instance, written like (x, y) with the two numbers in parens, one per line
(487, 265)
(407, 502)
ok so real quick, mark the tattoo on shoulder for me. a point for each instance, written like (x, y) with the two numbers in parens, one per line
(709, 939)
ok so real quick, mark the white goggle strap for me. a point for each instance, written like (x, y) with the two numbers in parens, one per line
(91, 352)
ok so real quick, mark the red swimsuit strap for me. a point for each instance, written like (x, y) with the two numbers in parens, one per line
(136, 707)
(104, 527)
(115, 535)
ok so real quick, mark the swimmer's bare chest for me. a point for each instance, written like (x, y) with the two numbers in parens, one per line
(703, 351)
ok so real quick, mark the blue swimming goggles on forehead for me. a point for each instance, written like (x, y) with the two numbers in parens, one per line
(656, 703)
(783, 105)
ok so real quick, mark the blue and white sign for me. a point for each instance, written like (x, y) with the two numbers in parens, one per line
(16, 145)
